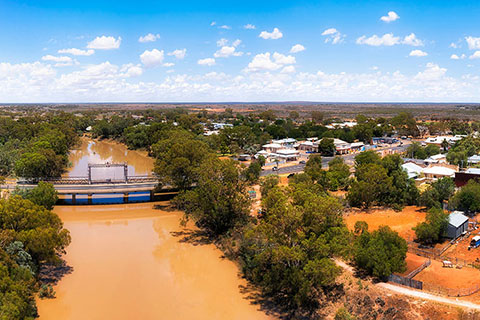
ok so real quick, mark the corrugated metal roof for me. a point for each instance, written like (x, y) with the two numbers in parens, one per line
(457, 218)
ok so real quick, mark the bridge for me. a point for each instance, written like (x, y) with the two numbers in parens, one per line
(75, 186)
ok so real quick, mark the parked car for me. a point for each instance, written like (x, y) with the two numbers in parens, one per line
(302, 162)
(275, 168)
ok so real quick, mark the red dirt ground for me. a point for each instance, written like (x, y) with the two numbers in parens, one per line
(460, 250)
(413, 262)
(402, 221)
(436, 275)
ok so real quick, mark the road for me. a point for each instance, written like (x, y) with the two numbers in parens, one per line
(348, 158)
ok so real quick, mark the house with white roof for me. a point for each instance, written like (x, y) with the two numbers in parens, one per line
(438, 158)
(272, 147)
(438, 172)
(286, 154)
(341, 146)
(413, 170)
(475, 159)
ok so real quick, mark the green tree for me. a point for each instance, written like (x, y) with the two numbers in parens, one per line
(467, 198)
(219, 202)
(381, 252)
(44, 194)
(178, 157)
(367, 157)
(338, 174)
(434, 227)
(326, 147)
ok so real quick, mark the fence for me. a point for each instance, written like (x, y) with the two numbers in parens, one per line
(462, 292)
(406, 281)
(417, 271)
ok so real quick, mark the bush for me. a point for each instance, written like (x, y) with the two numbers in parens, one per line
(435, 226)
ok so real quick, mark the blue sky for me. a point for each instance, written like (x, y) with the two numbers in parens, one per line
(215, 51)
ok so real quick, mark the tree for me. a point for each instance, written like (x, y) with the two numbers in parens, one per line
(326, 147)
(178, 157)
(44, 194)
(313, 167)
(367, 157)
(381, 252)
(268, 183)
(317, 116)
(439, 191)
(373, 186)
(252, 174)
(435, 226)
(338, 174)
(220, 201)
(416, 151)
(467, 198)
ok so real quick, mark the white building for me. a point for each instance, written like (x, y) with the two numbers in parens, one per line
(475, 159)
(438, 172)
(413, 170)
(438, 158)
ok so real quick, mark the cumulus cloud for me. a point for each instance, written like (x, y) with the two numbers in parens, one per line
(288, 69)
(418, 53)
(269, 62)
(473, 42)
(457, 57)
(475, 55)
(178, 53)
(249, 26)
(333, 35)
(389, 39)
(236, 43)
(130, 70)
(60, 61)
(168, 64)
(225, 27)
(213, 23)
(77, 52)
(432, 72)
(152, 58)
(297, 48)
(275, 34)
(149, 38)
(105, 43)
(222, 42)
(391, 16)
(206, 62)
(226, 51)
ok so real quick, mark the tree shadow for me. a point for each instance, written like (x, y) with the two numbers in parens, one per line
(194, 237)
(52, 273)
(167, 207)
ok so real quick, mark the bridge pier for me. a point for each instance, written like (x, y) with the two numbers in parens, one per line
(89, 198)
(74, 198)
(152, 195)
(125, 197)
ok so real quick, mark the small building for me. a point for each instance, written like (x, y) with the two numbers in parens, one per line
(272, 147)
(308, 146)
(287, 154)
(438, 158)
(341, 146)
(438, 172)
(457, 224)
(413, 170)
(357, 146)
(475, 159)
(244, 157)
(286, 143)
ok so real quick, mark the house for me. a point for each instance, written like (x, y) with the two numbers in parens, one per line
(457, 224)
(357, 146)
(346, 124)
(438, 158)
(475, 159)
(341, 146)
(437, 172)
(287, 154)
(380, 140)
(244, 157)
(439, 140)
(286, 143)
(413, 170)
(308, 146)
(272, 147)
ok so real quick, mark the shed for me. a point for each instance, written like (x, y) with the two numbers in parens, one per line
(457, 224)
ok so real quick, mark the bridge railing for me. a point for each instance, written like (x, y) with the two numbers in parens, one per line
(81, 180)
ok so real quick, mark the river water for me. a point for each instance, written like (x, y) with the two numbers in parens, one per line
(129, 260)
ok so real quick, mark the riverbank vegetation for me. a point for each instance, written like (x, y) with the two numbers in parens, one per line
(30, 237)
(36, 145)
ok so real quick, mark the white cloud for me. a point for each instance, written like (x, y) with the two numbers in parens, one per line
(149, 38)
(457, 57)
(249, 26)
(168, 64)
(391, 16)
(264, 61)
(432, 72)
(226, 51)
(473, 42)
(475, 55)
(288, 69)
(225, 27)
(418, 53)
(222, 42)
(453, 45)
(131, 70)
(206, 62)
(297, 48)
(56, 58)
(389, 39)
(152, 58)
(178, 53)
(105, 43)
(236, 43)
(77, 52)
(412, 40)
(333, 35)
(275, 34)
(213, 23)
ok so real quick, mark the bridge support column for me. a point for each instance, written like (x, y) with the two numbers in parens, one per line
(152, 195)
(125, 197)
(74, 198)
(89, 198)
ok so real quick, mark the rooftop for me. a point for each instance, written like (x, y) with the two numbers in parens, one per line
(457, 218)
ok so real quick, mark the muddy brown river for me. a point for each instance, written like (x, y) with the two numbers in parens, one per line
(129, 260)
